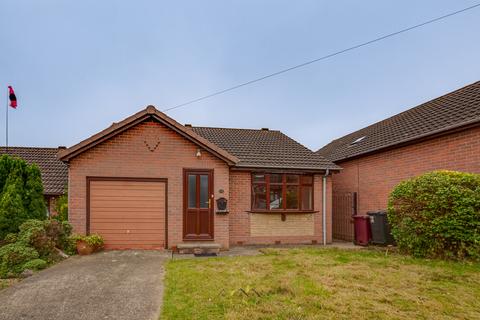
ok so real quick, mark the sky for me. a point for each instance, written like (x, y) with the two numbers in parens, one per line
(78, 66)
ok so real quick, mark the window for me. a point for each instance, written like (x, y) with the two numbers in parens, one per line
(204, 200)
(192, 191)
(276, 192)
(357, 140)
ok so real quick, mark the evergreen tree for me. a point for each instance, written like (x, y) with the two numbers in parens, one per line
(21, 194)
(5, 167)
(34, 194)
(12, 211)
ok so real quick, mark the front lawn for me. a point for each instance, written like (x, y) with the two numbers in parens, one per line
(315, 283)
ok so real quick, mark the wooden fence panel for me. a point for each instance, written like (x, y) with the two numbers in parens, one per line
(343, 210)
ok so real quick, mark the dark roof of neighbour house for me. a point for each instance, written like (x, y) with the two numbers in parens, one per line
(265, 149)
(54, 172)
(453, 111)
(238, 147)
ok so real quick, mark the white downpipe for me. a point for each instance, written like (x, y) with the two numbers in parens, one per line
(324, 207)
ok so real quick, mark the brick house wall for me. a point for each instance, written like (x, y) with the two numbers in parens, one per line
(128, 155)
(261, 228)
(374, 176)
(152, 150)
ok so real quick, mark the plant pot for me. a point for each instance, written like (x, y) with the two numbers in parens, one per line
(83, 248)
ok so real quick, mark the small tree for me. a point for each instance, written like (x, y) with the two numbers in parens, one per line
(61, 207)
(437, 215)
(34, 199)
(12, 211)
(21, 194)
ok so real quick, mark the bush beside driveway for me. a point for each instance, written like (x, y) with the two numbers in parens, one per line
(107, 285)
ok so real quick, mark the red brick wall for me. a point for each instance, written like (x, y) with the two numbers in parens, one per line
(373, 177)
(240, 195)
(127, 155)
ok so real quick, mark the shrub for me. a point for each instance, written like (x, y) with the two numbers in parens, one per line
(60, 232)
(61, 207)
(437, 215)
(93, 240)
(35, 264)
(34, 246)
(70, 247)
(13, 257)
(21, 194)
(33, 233)
(10, 238)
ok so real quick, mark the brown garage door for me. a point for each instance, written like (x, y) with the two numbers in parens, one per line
(128, 213)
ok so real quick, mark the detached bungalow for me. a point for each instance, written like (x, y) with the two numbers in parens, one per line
(441, 134)
(149, 182)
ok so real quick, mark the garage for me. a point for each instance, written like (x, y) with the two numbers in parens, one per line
(129, 213)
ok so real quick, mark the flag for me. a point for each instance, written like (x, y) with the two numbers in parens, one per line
(12, 97)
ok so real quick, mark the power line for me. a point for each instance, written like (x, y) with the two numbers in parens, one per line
(322, 58)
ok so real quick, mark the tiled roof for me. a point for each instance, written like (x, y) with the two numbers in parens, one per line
(150, 112)
(238, 147)
(264, 149)
(54, 172)
(451, 111)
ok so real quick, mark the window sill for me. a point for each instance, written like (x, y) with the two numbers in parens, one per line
(282, 211)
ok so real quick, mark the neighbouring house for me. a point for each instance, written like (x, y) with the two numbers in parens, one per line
(54, 172)
(149, 182)
(441, 134)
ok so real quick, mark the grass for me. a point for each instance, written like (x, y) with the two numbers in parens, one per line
(313, 283)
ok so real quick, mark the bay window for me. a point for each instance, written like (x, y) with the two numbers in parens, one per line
(282, 191)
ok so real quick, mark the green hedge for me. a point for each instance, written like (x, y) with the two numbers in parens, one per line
(437, 215)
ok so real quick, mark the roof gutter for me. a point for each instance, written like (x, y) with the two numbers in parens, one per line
(324, 206)
(318, 170)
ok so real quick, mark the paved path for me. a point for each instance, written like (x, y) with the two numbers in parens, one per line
(254, 250)
(107, 285)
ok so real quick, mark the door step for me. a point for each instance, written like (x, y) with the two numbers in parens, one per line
(198, 248)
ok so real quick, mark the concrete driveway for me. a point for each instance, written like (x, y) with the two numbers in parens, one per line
(107, 285)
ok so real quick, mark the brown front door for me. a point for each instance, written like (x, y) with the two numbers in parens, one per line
(198, 205)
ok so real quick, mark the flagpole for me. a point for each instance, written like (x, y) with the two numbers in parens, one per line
(6, 123)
